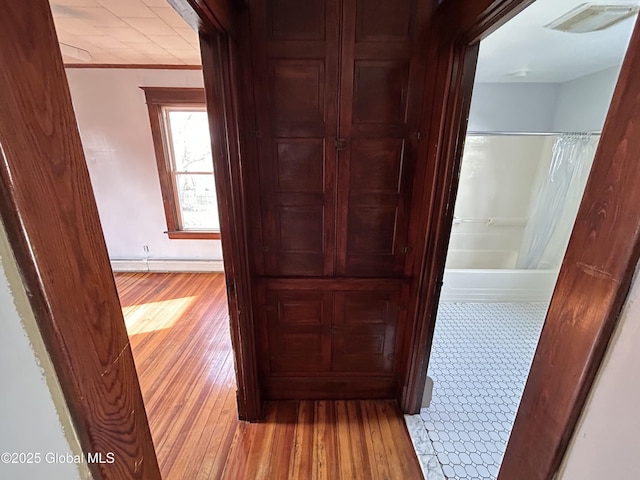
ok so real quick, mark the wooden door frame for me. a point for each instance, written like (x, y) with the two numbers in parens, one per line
(49, 212)
(64, 264)
(221, 77)
(60, 248)
(598, 267)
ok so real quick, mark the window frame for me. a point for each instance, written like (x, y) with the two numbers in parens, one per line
(159, 98)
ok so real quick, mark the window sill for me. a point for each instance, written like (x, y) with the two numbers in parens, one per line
(191, 235)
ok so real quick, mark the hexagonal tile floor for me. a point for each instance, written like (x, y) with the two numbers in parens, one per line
(480, 360)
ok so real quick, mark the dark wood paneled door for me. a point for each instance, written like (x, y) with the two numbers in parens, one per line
(295, 85)
(380, 92)
(331, 331)
(337, 86)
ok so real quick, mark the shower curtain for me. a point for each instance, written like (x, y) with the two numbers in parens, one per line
(551, 220)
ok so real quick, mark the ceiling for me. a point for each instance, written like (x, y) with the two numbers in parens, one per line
(523, 44)
(150, 32)
(144, 32)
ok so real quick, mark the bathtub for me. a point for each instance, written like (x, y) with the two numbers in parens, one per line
(498, 285)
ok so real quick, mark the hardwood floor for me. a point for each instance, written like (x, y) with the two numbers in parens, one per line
(179, 331)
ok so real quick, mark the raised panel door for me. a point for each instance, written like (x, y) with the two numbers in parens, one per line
(337, 87)
(295, 89)
(365, 330)
(380, 89)
(298, 331)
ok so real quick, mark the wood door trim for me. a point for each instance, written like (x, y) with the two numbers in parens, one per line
(220, 77)
(593, 284)
(600, 260)
(47, 206)
(447, 128)
(209, 15)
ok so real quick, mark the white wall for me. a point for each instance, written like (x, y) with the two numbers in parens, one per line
(579, 105)
(114, 126)
(33, 414)
(513, 107)
(498, 181)
(583, 103)
(605, 444)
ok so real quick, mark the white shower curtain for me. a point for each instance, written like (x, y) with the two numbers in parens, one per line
(551, 220)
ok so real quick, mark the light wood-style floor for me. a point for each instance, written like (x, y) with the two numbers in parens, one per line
(179, 331)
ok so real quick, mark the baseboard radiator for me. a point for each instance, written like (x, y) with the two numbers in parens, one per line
(164, 265)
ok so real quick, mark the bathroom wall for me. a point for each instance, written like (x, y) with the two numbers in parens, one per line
(499, 178)
(513, 107)
(579, 105)
(583, 103)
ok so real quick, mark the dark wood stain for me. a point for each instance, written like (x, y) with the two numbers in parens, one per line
(47, 206)
(221, 75)
(334, 95)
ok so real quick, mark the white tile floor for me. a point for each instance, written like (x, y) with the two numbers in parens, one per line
(479, 364)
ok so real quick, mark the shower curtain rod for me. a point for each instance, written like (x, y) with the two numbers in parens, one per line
(540, 134)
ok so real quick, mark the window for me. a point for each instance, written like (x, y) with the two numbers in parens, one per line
(182, 146)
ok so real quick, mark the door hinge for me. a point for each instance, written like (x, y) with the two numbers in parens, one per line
(231, 288)
(405, 249)
(340, 143)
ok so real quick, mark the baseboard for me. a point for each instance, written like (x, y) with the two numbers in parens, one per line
(161, 265)
(506, 285)
(329, 388)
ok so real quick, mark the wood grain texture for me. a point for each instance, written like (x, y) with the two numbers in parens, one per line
(48, 208)
(334, 95)
(295, 74)
(471, 20)
(330, 339)
(221, 75)
(592, 286)
(179, 331)
(178, 324)
(382, 76)
(451, 91)
(324, 440)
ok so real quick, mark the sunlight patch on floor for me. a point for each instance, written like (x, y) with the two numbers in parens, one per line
(145, 318)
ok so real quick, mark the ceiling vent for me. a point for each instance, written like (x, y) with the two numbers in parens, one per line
(589, 17)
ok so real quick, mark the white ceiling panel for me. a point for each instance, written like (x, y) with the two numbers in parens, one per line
(145, 32)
